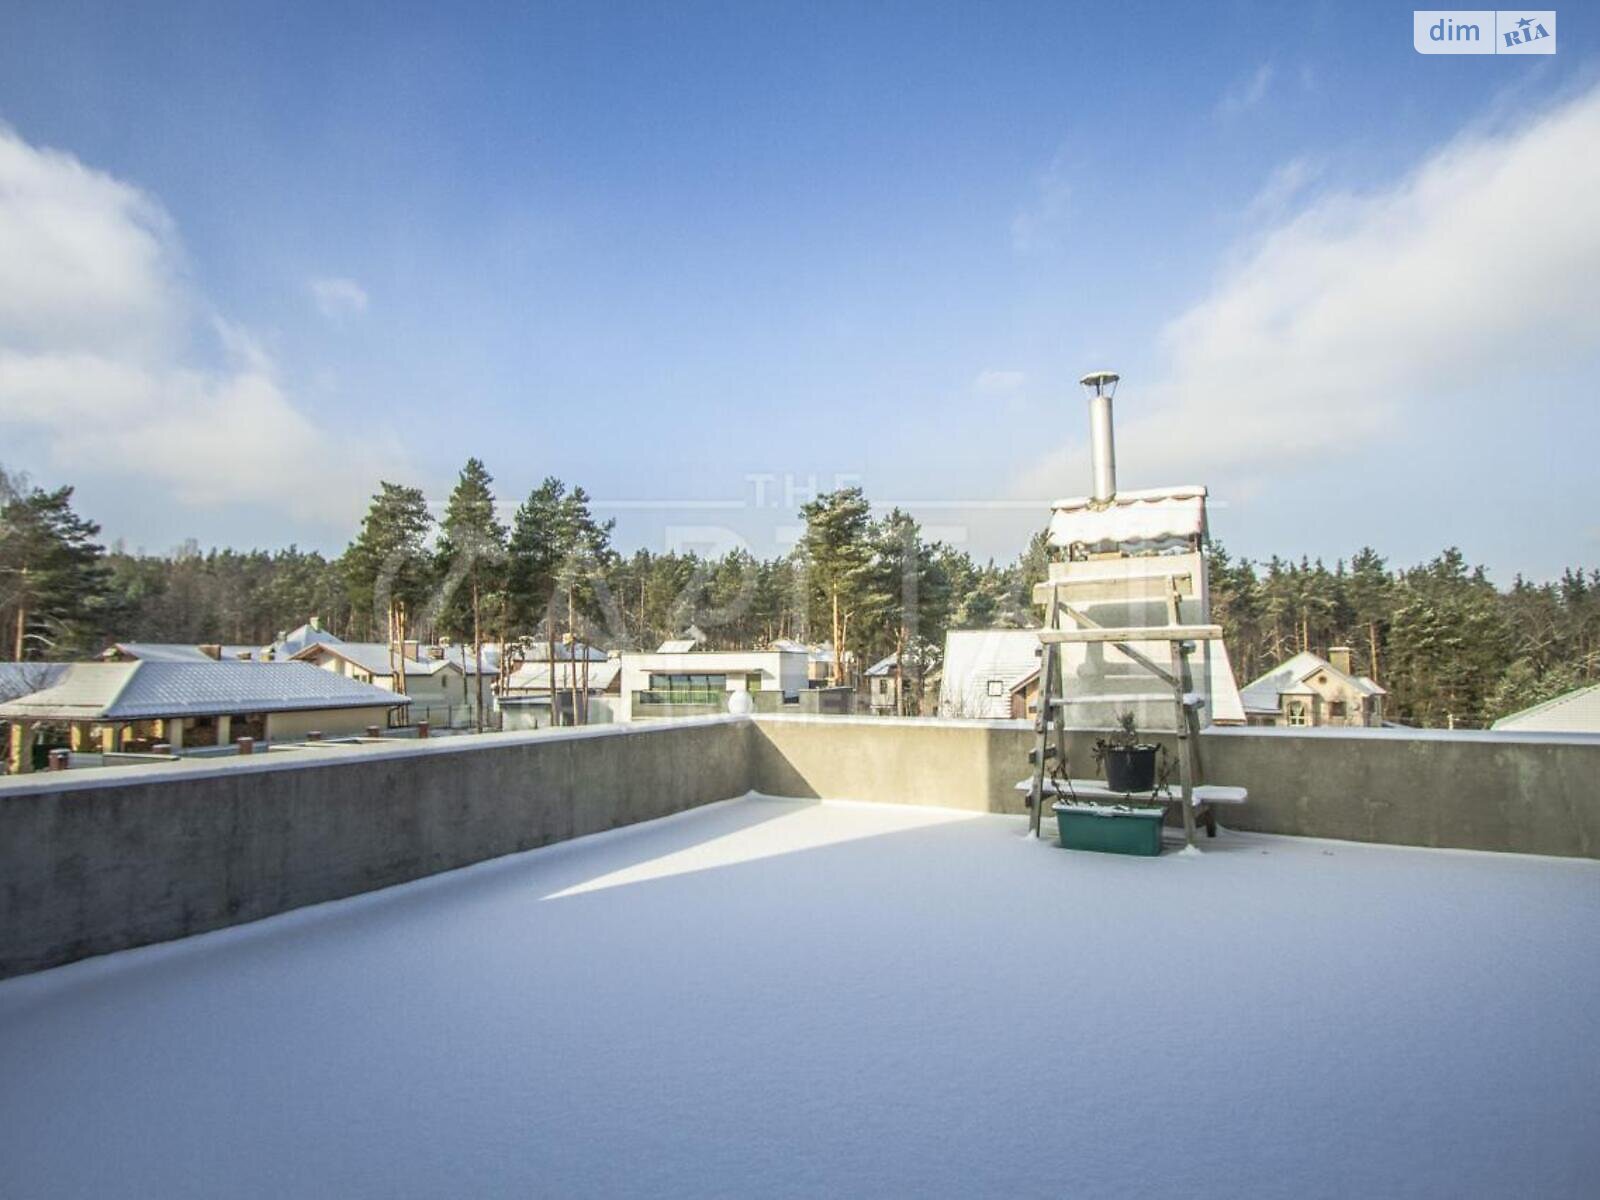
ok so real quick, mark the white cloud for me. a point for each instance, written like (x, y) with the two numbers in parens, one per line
(1037, 224)
(337, 298)
(1247, 92)
(1369, 315)
(993, 382)
(112, 366)
(1288, 182)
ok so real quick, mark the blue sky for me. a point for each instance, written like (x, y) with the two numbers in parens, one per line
(664, 250)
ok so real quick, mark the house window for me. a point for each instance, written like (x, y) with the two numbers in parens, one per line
(1336, 708)
(997, 687)
(752, 681)
(1297, 713)
(675, 688)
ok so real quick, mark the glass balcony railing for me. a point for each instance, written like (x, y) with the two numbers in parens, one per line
(675, 696)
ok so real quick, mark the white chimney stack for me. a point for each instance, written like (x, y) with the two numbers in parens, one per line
(1101, 386)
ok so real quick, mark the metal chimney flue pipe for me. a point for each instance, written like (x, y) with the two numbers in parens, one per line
(1101, 386)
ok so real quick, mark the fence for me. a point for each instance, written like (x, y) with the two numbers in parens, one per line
(445, 716)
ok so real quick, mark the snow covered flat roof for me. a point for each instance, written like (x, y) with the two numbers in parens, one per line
(784, 997)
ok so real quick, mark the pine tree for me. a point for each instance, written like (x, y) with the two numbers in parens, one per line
(909, 595)
(387, 568)
(559, 552)
(53, 581)
(836, 555)
(471, 557)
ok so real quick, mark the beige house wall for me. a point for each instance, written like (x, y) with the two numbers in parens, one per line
(330, 722)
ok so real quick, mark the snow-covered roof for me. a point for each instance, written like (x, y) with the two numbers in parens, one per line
(1153, 519)
(676, 646)
(376, 658)
(884, 665)
(533, 677)
(157, 652)
(1261, 695)
(461, 655)
(298, 639)
(1574, 712)
(539, 651)
(25, 678)
(778, 968)
(147, 689)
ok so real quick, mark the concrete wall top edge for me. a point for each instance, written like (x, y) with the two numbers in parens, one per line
(310, 756)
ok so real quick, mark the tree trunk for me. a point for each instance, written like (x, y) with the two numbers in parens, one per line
(837, 674)
(550, 613)
(404, 631)
(22, 627)
(572, 668)
(477, 649)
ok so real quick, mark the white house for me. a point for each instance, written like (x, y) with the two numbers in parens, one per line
(982, 667)
(675, 683)
(1575, 712)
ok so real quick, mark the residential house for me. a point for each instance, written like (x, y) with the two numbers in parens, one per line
(440, 680)
(819, 660)
(135, 705)
(669, 683)
(883, 687)
(1024, 696)
(983, 668)
(21, 679)
(1309, 690)
(525, 700)
(292, 643)
(1575, 712)
(175, 652)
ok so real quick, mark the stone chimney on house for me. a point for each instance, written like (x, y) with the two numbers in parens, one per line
(211, 650)
(411, 650)
(1339, 659)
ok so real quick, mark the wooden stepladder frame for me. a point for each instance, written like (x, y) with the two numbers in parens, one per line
(1050, 738)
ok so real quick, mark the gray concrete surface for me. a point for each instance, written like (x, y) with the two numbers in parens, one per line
(98, 860)
(1530, 794)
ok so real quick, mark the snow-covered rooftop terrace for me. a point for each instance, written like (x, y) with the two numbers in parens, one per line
(768, 997)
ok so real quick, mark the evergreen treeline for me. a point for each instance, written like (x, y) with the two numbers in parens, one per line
(1450, 647)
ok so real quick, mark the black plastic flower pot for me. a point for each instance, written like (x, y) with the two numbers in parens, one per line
(1130, 769)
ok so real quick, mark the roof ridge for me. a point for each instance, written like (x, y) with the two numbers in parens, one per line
(127, 681)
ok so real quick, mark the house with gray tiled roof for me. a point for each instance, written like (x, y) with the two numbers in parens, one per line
(133, 705)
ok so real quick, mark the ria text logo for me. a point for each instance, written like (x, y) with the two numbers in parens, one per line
(1484, 31)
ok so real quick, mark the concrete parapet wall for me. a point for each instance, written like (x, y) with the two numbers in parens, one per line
(1526, 793)
(102, 860)
(1529, 794)
(98, 860)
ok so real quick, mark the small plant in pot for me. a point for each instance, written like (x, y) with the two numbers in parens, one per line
(1129, 765)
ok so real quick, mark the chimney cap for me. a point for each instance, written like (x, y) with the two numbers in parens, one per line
(1100, 382)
